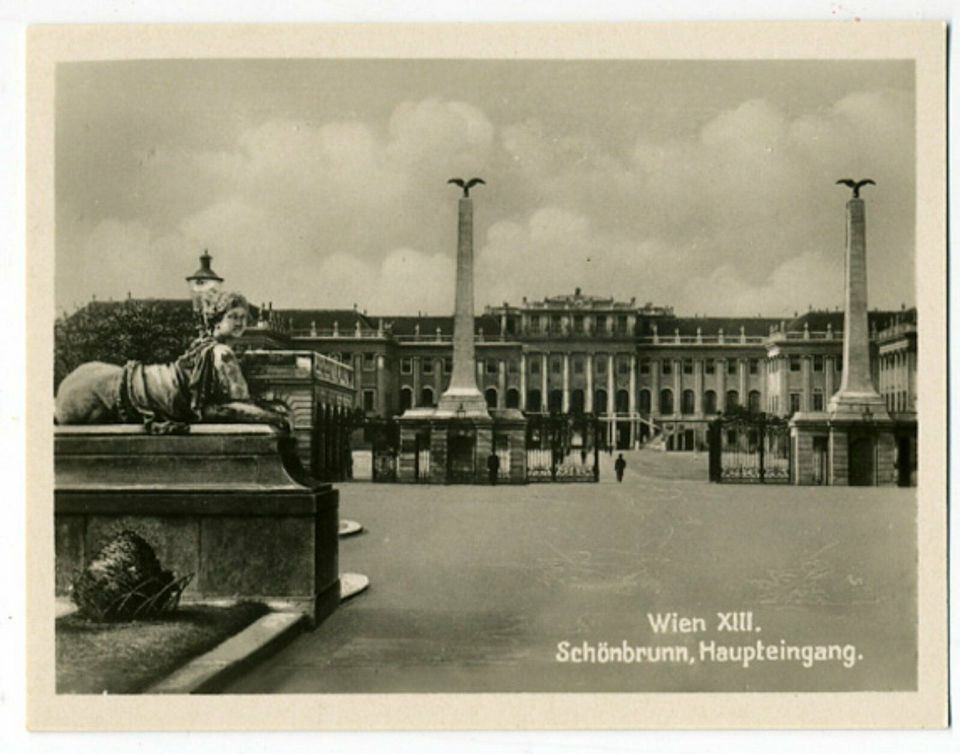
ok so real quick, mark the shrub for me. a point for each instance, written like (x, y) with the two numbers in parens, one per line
(125, 581)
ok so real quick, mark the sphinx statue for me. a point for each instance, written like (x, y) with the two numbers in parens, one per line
(205, 384)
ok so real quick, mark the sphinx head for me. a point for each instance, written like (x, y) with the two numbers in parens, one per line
(225, 313)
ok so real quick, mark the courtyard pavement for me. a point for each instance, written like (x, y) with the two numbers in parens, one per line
(474, 588)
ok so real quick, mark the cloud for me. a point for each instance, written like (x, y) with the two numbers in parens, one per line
(737, 215)
(411, 280)
(556, 250)
(775, 294)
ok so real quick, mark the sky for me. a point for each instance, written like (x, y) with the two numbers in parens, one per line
(706, 186)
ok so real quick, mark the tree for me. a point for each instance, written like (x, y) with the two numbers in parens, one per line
(152, 331)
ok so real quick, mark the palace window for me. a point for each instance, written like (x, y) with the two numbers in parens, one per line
(839, 362)
(644, 402)
(794, 363)
(688, 366)
(369, 400)
(666, 367)
(600, 401)
(602, 322)
(818, 363)
(687, 402)
(406, 366)
(491, 366)
(666, 401)
(794, 402)
(577, 398)
(578, 365)
(601, 364)
(623, 365)
(448, 364)
(533, 400)
(754, 366)
(710, 402)
(513, 366)
(428, 367)
(709, 366)
(644, 366)
(622, 324)
(578, 323)
(369, 360)
(817, 401)
(731, 366)
(556, 365)
(621, 402)
(555, 401)
(535, 365)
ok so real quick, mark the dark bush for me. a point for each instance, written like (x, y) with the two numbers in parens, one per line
(125, 581)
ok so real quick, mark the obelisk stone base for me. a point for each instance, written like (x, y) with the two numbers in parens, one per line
(832, 451)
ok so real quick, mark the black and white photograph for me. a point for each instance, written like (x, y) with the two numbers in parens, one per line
(378, 377)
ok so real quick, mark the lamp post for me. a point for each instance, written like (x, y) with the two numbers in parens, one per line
(201, 283)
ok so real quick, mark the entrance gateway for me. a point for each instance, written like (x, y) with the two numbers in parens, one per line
(461, 429)
(855, 436)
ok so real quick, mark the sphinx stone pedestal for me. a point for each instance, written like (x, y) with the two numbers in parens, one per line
(229, 503)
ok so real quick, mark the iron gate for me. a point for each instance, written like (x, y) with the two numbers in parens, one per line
(563, 447)
(330, 445)
(749, 448)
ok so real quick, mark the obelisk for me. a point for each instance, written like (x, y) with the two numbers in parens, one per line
(857, 392)
(463, 398)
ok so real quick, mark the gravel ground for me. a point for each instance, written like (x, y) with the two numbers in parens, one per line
(475, 588)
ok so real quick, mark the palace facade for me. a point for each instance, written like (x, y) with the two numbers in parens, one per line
(650, 375)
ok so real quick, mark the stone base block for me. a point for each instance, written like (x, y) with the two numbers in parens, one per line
(269, 534)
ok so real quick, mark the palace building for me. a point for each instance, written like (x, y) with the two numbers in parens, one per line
(649, 375)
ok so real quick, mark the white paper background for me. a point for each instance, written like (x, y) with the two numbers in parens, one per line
(13, 19)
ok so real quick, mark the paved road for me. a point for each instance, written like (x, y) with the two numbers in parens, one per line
(473, 588)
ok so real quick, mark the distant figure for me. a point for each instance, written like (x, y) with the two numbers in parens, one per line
(619, 465)
(583, 456)
(493, 467)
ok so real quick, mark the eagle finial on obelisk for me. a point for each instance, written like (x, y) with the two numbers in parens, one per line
(856, 185)
(467, 185)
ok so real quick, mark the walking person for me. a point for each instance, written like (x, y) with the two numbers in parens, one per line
(493, 467)
(619, 466)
